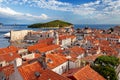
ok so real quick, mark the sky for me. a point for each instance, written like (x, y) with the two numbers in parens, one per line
(74, 11)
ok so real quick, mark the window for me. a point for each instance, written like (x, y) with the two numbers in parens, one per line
(0, 65)
(21, 55)
(40, 35)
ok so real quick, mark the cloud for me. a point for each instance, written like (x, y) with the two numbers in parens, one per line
(107, 11)
(52, 4)
(1, 1)
(99, 9)
(98, 6)
(49, 4)
(8, 12)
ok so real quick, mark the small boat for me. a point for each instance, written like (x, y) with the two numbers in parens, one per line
(7, 35)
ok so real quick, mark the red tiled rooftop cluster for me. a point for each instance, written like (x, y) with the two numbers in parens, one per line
(47, 41)
(87, 73)
(7, 70)
(48, 48)
(77, 49)
(92, 57)
(84, 73)
(8, 49)
(9, 57)
(61, 37)
(28, 73)
(56, 59)
(8, 54)
(36, 47)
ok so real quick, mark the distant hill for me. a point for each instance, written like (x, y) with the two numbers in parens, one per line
(51, 24)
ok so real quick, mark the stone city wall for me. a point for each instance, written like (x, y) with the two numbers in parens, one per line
(18, 35)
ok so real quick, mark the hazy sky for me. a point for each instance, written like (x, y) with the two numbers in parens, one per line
(74, 11)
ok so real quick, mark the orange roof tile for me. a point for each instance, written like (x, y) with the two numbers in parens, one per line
(50, 75)
(36, 46)
(9, 56)
(7, 70)
(47, 41)
(48, 48)
(8, 49)
(77, 49)
(109, 50)
(61, 37)
(56, 58)
(87, 73)
(28, 73)
(91, 58)
(70, 72)
(75, 52)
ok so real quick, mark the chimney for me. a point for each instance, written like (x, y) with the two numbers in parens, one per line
(37, 74)
(42, 61)
(49, 60)
(99, 50)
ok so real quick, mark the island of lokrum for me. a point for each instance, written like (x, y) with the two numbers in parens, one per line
(52, 24)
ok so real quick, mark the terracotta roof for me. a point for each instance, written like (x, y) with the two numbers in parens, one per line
(109, 50)
(70, 72)
(9, 56)
(37, 46)
(8, 49)
(104, 42)
(47, 41)
(77, 49)
(28, 73)
(92, 57)
(50, 75)
(7, 70)
(75, 52)
(87, 73)
(66, 36)
(72, 36)
(48, 48)
(56, 59)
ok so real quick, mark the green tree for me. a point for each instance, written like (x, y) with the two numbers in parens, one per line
(111, 61)
(105, 65)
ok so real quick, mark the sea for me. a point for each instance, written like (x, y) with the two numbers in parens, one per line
(4, 42)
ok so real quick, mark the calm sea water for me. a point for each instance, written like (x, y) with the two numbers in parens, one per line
(6, 28)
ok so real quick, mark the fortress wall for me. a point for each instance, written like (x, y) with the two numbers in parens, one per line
(18, 35)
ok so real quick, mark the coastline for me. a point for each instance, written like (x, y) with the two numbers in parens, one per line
(51, 27)
(4, 42)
